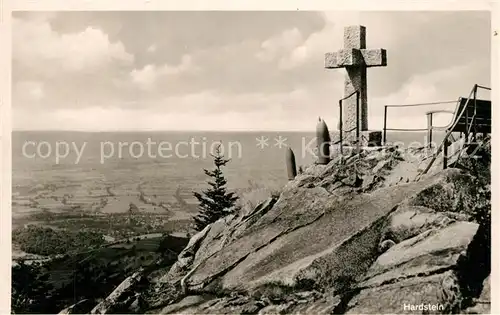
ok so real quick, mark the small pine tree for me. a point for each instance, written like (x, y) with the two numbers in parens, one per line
(215, 202)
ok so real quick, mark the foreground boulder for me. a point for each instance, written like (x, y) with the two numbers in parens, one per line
(348, 237)
(417, 275)
(420, 270)
(309, 238)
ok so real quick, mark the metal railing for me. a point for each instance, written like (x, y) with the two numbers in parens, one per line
(384, 137)
(430, 126)
(444, 144)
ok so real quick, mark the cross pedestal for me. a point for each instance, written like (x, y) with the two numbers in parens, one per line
(355, 58)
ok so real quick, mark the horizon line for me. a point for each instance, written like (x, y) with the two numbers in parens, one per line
(187, 130)
(160, 130)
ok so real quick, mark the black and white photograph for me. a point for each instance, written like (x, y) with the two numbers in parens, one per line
(251, 162)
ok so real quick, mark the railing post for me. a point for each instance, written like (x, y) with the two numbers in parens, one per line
(358, 138)
(341, 131)
(385, 125)
(466, 122)
(474, 116)
(445, 152)
(429, 129)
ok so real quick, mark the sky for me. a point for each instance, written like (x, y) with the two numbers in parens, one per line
(98, 71)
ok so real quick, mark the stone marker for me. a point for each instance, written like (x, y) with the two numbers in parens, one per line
(355, 58)
(323, 142)
(291, 167)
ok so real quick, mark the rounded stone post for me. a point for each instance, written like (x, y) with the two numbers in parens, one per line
(291, 167)
(323, 142)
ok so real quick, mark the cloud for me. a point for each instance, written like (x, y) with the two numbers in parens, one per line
(269, 75)
(30, 91)
(152, 48)
(147, 77)
(276, 46)
(204, 110)
(38, 47)
(314, 46)
(114, 118)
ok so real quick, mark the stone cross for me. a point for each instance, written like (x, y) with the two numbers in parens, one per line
(355, 58)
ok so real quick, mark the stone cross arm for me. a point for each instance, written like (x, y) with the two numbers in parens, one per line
(356, 57)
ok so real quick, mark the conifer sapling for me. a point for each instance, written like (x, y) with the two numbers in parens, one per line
(214, 202)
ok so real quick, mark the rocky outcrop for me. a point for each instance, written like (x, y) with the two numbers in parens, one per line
(126, 297)
(81, 307)
(313, 237)
(186, 257)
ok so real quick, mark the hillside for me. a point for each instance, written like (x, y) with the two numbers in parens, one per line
(87, 275)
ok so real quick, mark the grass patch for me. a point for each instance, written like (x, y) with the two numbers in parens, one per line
(255, 194)
(274, 291)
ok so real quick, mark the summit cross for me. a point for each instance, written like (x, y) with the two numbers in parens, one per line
(355, 58)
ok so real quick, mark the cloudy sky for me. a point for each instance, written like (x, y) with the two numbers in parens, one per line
(232, 70)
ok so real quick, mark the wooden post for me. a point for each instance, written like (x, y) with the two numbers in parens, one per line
(385, 125)
(429, 129)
